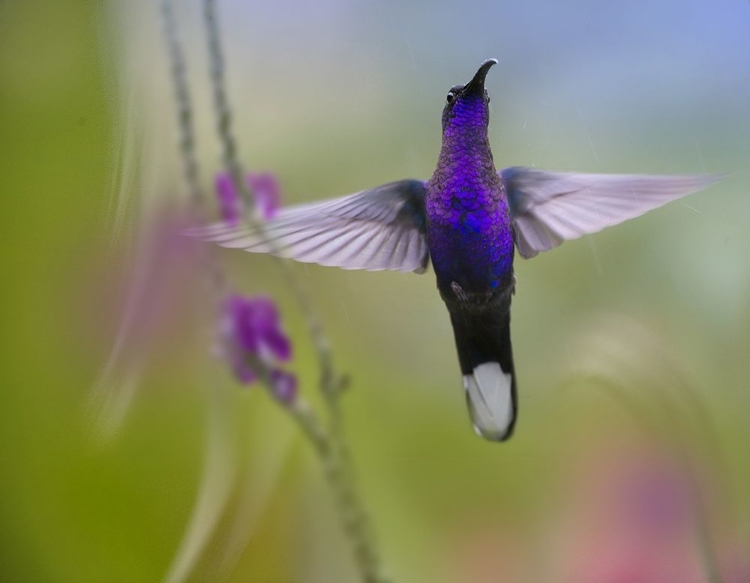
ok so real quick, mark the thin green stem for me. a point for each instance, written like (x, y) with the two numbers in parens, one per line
(231, 162)
(337, 472)
(178, 72)
(186, 140)
(331, 446)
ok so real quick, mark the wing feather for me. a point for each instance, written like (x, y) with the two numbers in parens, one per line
(376, 229)
(548, 208)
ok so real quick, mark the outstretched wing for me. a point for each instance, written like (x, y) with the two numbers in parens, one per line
(376, 229)
(548, 208)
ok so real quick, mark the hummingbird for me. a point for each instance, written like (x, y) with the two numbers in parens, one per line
(468, 219)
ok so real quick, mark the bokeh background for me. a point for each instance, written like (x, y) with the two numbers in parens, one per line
(631, 345)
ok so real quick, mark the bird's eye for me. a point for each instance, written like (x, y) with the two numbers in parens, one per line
(451, 97)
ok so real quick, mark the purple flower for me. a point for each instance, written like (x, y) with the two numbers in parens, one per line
(285, 385)
(230, 206)
(264, 187)
(267, 193)
(251, 336)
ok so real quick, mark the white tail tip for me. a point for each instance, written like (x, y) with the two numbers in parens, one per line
(490, 400)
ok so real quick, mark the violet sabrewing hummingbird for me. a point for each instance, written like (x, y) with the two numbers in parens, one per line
(468, 219)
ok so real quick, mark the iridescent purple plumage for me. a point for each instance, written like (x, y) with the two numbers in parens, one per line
(470, 239)
(469, 225)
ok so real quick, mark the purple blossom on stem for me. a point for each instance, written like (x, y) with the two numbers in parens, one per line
(264, 186)
(230, 206)
(267, 192)
(285, 385)
(251, 336)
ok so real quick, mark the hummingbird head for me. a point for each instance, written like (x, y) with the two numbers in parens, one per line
(467, 106)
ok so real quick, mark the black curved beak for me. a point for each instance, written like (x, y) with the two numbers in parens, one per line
(476, 85)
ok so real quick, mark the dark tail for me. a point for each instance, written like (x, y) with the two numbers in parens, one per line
(486, 358)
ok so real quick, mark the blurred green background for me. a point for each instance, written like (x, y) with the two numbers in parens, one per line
(652, 316)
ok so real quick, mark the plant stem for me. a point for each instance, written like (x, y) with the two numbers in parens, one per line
(337, 472)
(178, 71)
(186, 140)
(331, 446)
(231, 162)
